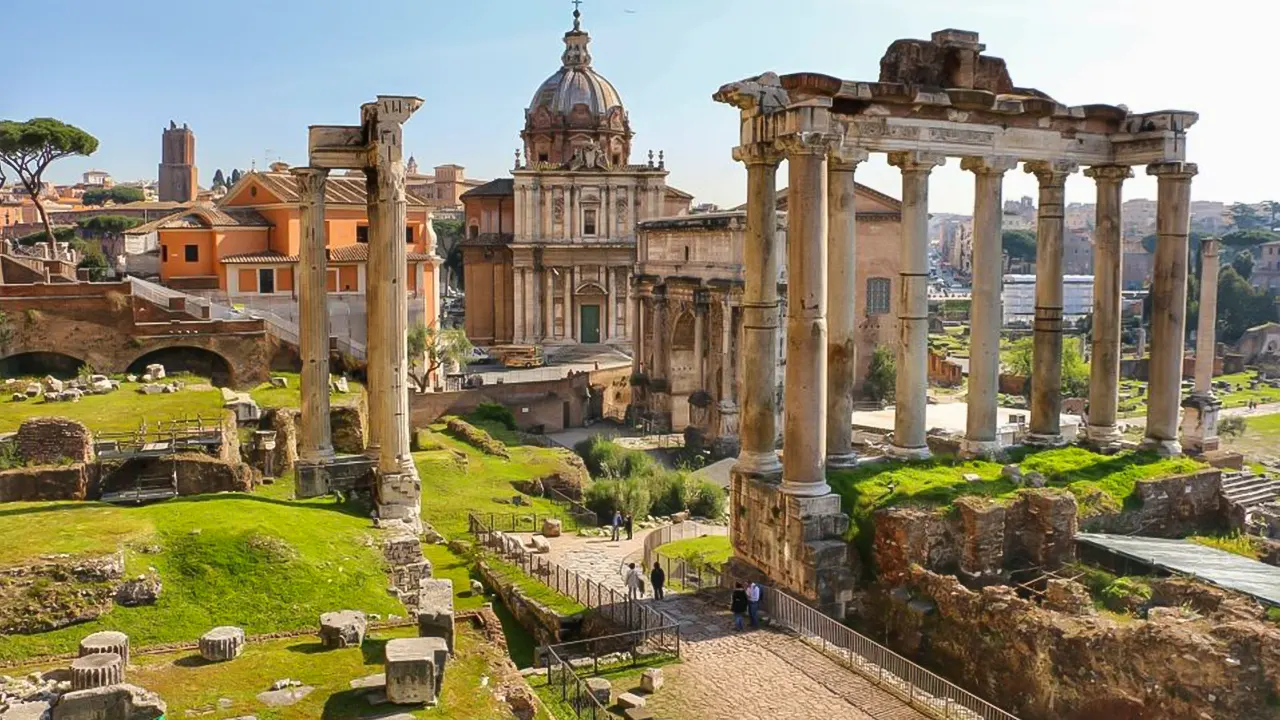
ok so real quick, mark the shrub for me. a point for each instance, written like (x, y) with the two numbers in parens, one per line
(669, 491)
(605, 459)
(706, 499)
(607, 496)
(494, 412)
(476, 438)
(1232, 426)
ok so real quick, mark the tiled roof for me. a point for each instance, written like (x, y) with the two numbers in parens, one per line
(203, 216)
(338, 189)
(341, 254)
(494, 188)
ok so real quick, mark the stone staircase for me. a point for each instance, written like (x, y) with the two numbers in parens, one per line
(1245, 490)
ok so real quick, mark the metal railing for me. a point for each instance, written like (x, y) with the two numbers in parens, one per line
(617, 606)
(918, 687)
(562, 665)
(678, 531)
(683, 573)
(573, 508)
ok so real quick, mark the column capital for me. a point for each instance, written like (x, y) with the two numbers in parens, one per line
(1209, 247)
(761, 153)
(916, 160)
(311, 182)
(989, 165)
(1173, 170)
(845, 158)
(1109, 173)
(1051, 173)
(809, 143)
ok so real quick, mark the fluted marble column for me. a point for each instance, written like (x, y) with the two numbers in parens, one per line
(376, 314)
(982, 420)
(1168, 305)
(911, 390)
(1200, 409)
(842, 293)
(548, 304)
(1046, 356)
(399, 489)
(804, 432)
(758, 428)
(1104, 365)
(315, 445)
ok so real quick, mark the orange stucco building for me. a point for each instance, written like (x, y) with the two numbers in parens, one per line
(248, 243)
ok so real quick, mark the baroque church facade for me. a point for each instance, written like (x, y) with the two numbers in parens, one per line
(549, 253)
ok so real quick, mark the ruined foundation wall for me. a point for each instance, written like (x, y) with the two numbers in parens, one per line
(1169, 507)
(53, 440)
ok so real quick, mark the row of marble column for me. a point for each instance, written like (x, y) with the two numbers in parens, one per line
(387, 346)
(821, 309)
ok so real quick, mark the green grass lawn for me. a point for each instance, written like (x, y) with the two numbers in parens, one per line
(261, 563)
(1100, 482)
(623, 678)
(192, 687)
(1261, 437)
(448, 565)
(458, 479)
(1244, 545)
(714, 550)
(269, 396)
(124, 409)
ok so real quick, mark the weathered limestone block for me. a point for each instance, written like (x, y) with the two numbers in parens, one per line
(348, 428)
(284, 422)
(651, 680)
(342, 629)
(540, 544)
(600, 689)
(113, 702)
(414, 669)
(156, 371)
(222, 643)
(142, 590)
(278, 381)
(96, 670)
(1068, 597)
(107, 641)
(551, 527)
(631, 700)
(435, 610)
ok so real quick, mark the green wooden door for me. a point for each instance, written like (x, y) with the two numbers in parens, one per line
(590, 323)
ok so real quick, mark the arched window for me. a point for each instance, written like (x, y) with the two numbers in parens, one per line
(475, 231)
(877, 296)
(682, 337)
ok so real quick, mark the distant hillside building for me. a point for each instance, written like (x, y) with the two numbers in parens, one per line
(178, 178)
(1019, 299)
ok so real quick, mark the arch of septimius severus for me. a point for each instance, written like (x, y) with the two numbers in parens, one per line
(934, 100)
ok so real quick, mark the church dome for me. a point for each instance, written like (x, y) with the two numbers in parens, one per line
(576, 107)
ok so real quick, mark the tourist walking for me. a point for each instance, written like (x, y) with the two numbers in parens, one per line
(738, 605)
(617, 523)
(627, 520)
(635, 583)
(753, 604)
(658, 577)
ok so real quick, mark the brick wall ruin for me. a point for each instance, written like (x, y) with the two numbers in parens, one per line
(52, 440)
(1169, 507)
(68, 482)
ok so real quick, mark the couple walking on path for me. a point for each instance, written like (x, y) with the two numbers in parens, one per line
(635, 581)
(620, 522)
(745, 602)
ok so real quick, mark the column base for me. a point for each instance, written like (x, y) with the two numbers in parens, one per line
(898, 452)
(986, 449)
(806, 490)
(399, 496)
(1162, 447)
(842, 461)
(761, 465)
(1103, 437)
(1045, 440)
(1200, 423)
(339, 473)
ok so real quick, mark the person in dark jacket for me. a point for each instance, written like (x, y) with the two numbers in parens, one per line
(628, 520)
(738, 606)
(659, 578)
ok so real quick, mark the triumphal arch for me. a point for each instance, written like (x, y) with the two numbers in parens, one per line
(935, 99)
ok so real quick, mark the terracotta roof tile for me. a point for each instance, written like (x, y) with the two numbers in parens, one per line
(341, 254)
(203, 216)
(260, 257)
(338, 189)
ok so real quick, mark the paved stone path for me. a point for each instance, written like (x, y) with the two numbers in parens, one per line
(725, 675)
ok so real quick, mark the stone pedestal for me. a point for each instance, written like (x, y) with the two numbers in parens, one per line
(796, 541)
(435, 610)
(107, 641)
(222, 643)
(97, 670)
(651, 680)
(415, 669)
(600, 689)
(342, 629)
(1200, 423)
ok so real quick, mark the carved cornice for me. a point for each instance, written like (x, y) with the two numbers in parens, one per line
(809, 143)
(916, 161)
(761, 94)
(989, 165)
(1051, 173)
(1173, 170)
(1109, 173)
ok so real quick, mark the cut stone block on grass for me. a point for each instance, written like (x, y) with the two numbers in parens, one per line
(415, 669)
(107, 641)
(435, 610)
(342, 629)
(601, 690)
(96, 670)
(222, 643)
(651, 680)
(631, 700)
(114, 701)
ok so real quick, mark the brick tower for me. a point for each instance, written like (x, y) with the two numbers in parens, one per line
(178, 164)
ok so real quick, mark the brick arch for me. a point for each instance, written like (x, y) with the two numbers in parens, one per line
(195, 357)
(40, 362)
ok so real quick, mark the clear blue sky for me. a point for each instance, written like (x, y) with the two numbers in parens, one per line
(250, 75)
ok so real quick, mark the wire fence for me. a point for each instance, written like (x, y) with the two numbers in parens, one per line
(619, 607)
(573, 508)
(566, 663)
(920, 688)
(530, 522)
(683, 573)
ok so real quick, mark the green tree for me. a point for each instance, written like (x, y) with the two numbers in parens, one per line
(218, 180)
(235, 176)
(1240, 306)
(1249, 238)
(882, 375)
(430, 348)
(92, 257)
(1273, 213)
(118, 195)
(108, 230)
(30, 147)
(1245, 217)
(1243, 263)
(62, 234)
(1019, 360)
(449, 247)
(1019, 244)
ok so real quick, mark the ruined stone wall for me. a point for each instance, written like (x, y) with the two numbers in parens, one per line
(980, 539)
(52, 440)
(68, 482)
(543, 623)
(284, 421)
(1204, 655)
(349, 427)
(1169, 507)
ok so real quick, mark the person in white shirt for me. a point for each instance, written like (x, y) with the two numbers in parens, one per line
(753, 604)
(635, 583)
